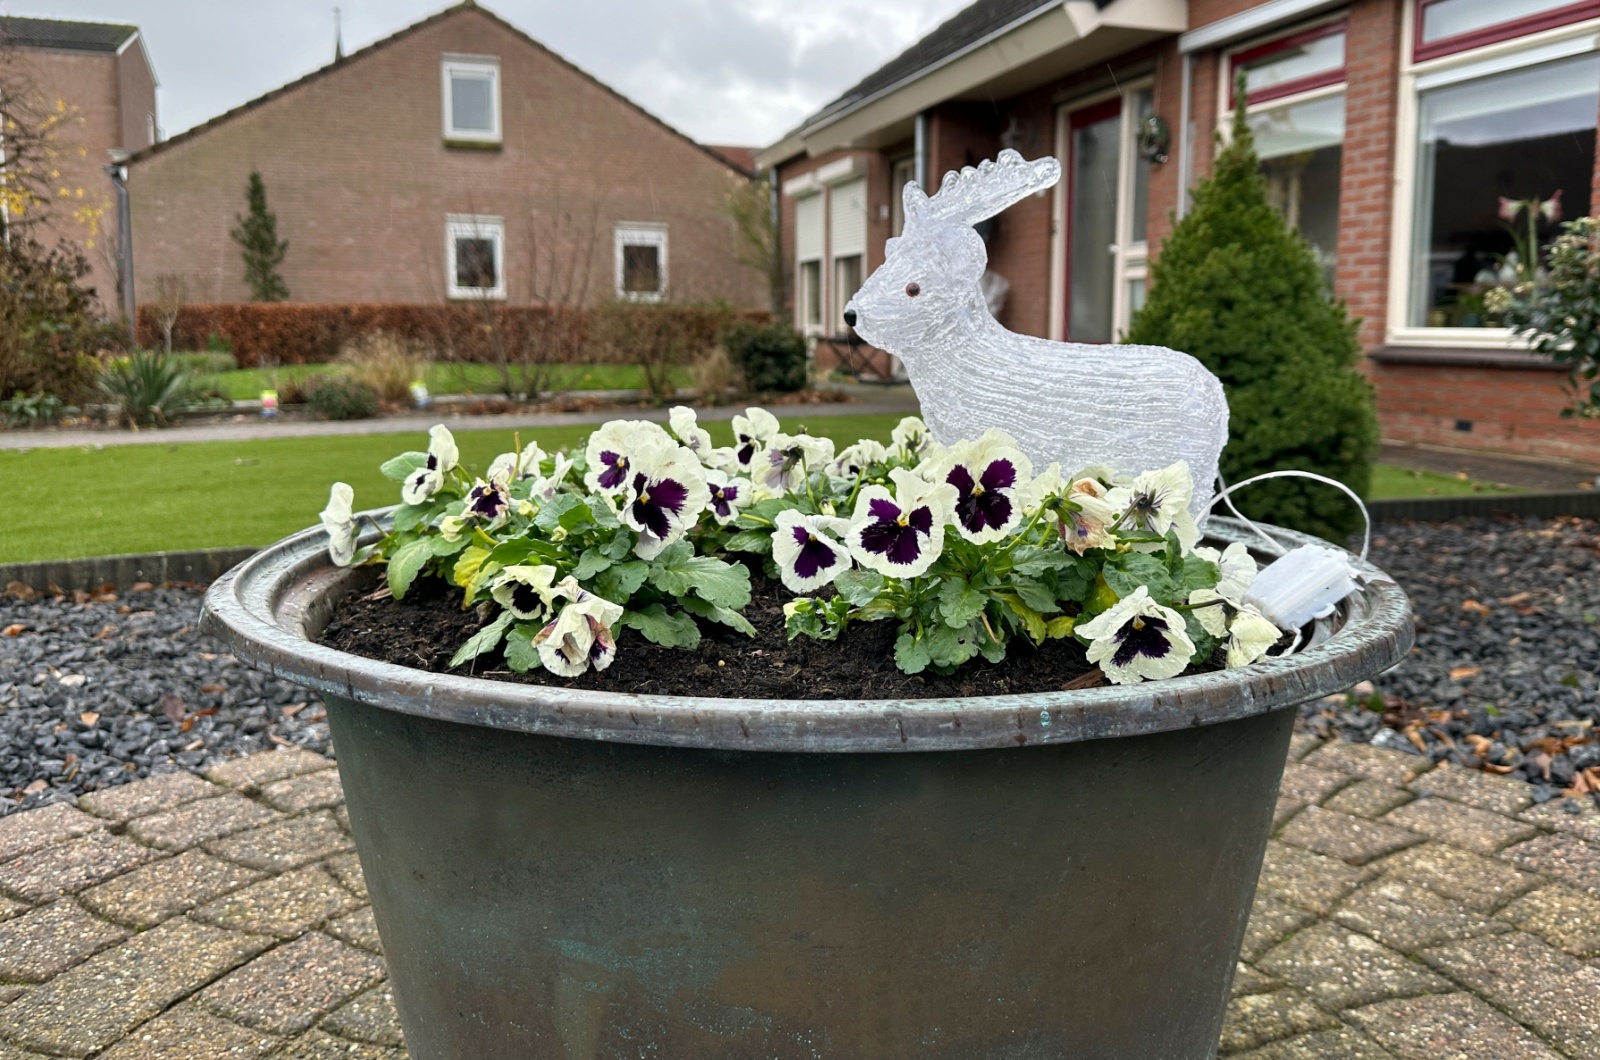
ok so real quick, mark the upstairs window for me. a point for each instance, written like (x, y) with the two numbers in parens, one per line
(641, 257)
(1447, 26)
(475, 256)
(471, 100)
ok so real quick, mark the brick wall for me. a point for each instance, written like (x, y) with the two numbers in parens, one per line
(1499, 409)
(360, 179)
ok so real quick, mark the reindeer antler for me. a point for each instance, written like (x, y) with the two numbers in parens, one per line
(974, 195)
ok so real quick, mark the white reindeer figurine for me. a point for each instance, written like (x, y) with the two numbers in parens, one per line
(1129, 408)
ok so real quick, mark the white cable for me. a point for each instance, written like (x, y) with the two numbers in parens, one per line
(1274, 546)
(1366, 518)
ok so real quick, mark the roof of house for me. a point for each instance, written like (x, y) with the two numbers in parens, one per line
(743, 157)
(356, 56)
(57, 33)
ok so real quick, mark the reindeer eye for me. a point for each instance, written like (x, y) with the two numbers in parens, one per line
(913, 289)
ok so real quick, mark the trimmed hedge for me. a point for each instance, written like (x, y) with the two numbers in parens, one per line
(285, 333)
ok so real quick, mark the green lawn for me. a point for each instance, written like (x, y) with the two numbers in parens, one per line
(1389, 481)
(443, 378)
(64, 503)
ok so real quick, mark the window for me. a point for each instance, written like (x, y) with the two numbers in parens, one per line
(475, 256)
(847, 243)
(641, 254)
(846, 282)
(1448, 26)
(1300, 62)
(808, 238)
(471, 100)
(1488, 134)
(901, 173)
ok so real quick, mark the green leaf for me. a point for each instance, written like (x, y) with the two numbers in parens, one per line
(1174, 556)
(602, 514)
(551, 514)
(659, 626)
(1199, 574)
(1037, 596)
(1126, 572)
(467, 566)
(759, 541)
(1032, 620)
(679, 572)
(959, 603)
(1034, 561)
(405, 564)
(949, 647)
(619, 582)
(859, 586)
(592, 562)
(409, 516)
(725, 615)
(400, 468)
(577, 518)
(620, 545)
(512, 553)
(521, 655)
(438, 545)
(1204, 643)
(911, 654)
(1059, 627)
(486, 639)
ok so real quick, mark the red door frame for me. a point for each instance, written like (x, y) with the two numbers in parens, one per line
(1092, 114)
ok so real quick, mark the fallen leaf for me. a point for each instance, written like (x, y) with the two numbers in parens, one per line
(1093, 679)
(1475, 607)
(1417, 741)
(280, 740)
(1517, 598)
(213, 688)
(21, 591)
(106, 631)
(140, 587)
(1541, 762)
(88, 718)
(186, 724)
(1490, 767)
(1480, 744)
(1461, 673)
(13, 630)
(81, 596)
(195, 746)
(105, 598)
(71, 758)
(35, 786)
(320, 715)
(293, 708)
(172, 706)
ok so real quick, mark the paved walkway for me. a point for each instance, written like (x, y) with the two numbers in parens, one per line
(866, 401)
(1401, 915)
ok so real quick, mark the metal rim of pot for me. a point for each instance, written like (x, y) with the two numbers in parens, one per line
(268, 609)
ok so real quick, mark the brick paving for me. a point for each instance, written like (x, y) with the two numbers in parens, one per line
(1402, 914)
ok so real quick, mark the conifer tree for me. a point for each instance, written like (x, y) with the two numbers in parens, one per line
(257, 234)
(1239, 290)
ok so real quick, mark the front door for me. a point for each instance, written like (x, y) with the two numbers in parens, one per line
(1106, 202)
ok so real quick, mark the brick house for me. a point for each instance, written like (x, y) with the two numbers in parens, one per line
(99, 78)
(457, 158)
(1389, 132)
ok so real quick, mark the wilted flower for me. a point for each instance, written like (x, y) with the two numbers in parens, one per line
(901, 535)
(854, 459)
(783, 466)
(580, 636)
(666, 493)
(751, 433)
(340, 524)
(1086, 516)
(989, 475)
(728, 495)
(525, 591)
(911, 437)
(611, 451)
(806, 551)
(443, 456)
(514, 467)
(1158, 501)
(1138, 640)
(688, 431)
(1250, 634)
(1238, 570)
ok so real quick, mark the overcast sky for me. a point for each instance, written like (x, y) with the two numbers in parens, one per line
(723, 71)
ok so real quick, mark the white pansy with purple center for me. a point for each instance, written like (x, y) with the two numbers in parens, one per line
(443, 456)
(1158, 501)
(786, 463)
(751, 434)
(515, 467)
(990, 476)
(579, 637)
(525, 591)
(1137, 640)
(340, 523)
(728, 495)
(854, 459)
(900, 535)
(807, 551)
(487, 502)
(686, 428)
(667, 491)
(610, 452)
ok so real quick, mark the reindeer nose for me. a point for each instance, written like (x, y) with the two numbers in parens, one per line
(850, 317)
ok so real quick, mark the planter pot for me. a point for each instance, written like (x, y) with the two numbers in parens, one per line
(573, 874)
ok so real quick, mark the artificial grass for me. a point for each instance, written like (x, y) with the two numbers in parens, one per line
(67, 503)
(242, 384)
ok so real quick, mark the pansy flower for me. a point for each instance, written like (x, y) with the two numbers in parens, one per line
(443, 456)
(514, 467)
(788, 459)
(751, 433)
(911, 437)
(1137, 639)
(547, 486)
(806, 550)
(580, 636)
(487, 501)
(1158, 501)
(1086, 517)
(728, 495)
(666, 493)
(854, 459)
(989, 475)
(901, 535)
(1238, 569)
(1250, 634)
(525, 591)
(611, 450)
(340, 523)
(693, 437)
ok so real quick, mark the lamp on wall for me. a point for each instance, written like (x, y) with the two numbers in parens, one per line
(1155, 139)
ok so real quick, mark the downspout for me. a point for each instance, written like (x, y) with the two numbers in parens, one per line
(1185, 133)
(919, 151)
(119, 180)
(775, 268)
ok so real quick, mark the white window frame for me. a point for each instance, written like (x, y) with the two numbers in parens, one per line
(641, 234)
(480, 66)
(475, 226)
(1503, 56)
(805, 325)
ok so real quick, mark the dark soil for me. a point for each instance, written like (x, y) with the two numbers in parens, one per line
(425, 629)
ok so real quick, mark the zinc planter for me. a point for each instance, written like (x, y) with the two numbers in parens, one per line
(572, 874)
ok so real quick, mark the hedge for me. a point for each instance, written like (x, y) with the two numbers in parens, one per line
(283, 333)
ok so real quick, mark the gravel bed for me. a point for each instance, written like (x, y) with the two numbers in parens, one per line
(102, 690)
(1503, 677)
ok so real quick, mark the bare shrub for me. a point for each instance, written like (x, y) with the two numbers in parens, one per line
(172, 293)
(713, 375)
(385, 362)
